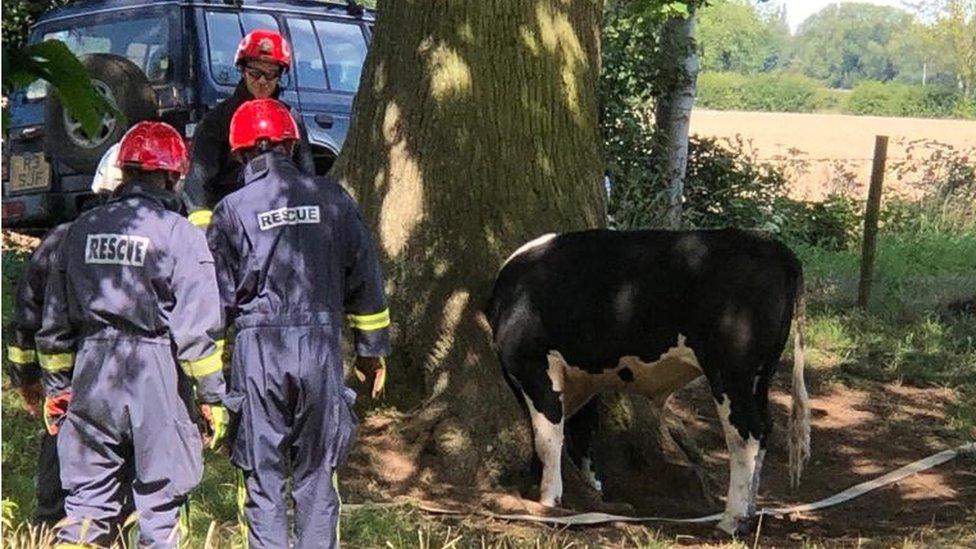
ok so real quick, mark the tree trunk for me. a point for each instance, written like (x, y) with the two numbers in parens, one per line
(673, 111)
(475, 130)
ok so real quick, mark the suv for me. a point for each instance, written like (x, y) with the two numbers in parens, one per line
(171, 60)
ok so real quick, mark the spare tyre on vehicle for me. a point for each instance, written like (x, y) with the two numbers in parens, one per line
(125, 87)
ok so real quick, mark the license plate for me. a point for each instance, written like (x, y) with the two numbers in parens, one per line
(29, 171)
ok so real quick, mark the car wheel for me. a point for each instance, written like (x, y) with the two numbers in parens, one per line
(125, 86)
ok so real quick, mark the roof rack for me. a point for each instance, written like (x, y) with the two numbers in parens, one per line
(353, 7)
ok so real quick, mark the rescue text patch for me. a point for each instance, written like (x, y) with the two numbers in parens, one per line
(289, 216)
(116, 249)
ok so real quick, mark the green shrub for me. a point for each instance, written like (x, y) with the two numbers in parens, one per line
(726, 186)
(869, 97)
(895, 99)
(965, 108)
(720, 90)
(775, 92)
(779, 92)
(829, 100)
(834, 224)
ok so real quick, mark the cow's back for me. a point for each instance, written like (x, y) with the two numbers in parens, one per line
(596, 296)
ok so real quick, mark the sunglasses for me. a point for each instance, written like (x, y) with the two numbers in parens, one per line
(257, 74)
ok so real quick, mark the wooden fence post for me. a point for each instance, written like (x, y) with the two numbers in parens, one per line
(871, 220)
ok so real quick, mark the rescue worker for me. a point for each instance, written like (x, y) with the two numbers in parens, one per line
(132, 292)
(263, 57)
(293, 255)
(23, 369)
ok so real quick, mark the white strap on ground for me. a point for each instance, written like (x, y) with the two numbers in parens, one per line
(846, 495)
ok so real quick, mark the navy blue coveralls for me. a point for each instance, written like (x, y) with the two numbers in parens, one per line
(293, 256)
(132, 299)
(25, 370)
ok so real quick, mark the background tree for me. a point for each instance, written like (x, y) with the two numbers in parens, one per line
(953, 30)
(732, 36)
(19, 15)
(843, 44)
(672, 108)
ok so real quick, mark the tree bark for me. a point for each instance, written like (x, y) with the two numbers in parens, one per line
(475, 130)
(673, 111)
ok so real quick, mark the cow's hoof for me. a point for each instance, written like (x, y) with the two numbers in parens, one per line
(551, 502)
(735, 526)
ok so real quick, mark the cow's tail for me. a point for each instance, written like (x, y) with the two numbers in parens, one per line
(799, 441)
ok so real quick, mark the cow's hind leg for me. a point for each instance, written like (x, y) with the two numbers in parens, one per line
(743, 427)
(761, 398)
(580, 429)
(541, 386)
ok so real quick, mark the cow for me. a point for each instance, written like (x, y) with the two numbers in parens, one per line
(646, 312)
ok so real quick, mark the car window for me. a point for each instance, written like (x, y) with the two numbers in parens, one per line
(344, 47)
(144, 40)
(253, 21)
(223, 36)
(309, 67)
(224, 33)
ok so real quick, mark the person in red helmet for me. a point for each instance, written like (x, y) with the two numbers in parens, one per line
(294, 259)
(131, 300)
(263, 57)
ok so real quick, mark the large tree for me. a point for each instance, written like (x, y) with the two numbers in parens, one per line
(475, 130)
(733, 36)
(843, 44)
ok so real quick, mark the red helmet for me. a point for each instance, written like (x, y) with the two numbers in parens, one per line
(261, 120)
(153, 146)
(264, 45)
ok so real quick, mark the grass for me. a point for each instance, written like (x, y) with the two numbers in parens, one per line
(909, 334)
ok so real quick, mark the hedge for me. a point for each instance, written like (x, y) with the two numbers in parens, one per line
(786, 92)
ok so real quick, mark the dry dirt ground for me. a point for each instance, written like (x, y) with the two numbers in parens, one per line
(858, 434)
(831, 143)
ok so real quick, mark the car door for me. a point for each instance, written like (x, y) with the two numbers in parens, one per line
(328, 62)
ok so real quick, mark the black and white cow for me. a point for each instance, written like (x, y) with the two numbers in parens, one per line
(646, 312)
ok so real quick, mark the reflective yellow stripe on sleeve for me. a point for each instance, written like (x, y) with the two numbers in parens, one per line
(58, 362)
(368, 323)
(19, 355)
(207, 365)
(201, 218)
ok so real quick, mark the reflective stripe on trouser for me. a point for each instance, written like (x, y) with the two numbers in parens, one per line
(295, 415)
(127, 432)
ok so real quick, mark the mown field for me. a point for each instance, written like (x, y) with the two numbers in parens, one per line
(832, 152)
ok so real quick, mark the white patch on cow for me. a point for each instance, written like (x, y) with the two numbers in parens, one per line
(549, 448)
(586, 467)
(542, 240)
(656, 380)
(743, 459)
